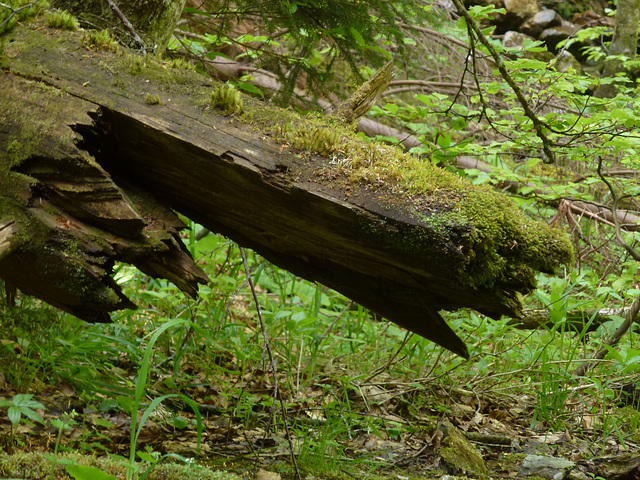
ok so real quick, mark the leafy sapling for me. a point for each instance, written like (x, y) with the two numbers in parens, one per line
(22, 407)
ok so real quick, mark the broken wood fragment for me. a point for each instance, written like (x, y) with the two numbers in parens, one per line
(365, 97)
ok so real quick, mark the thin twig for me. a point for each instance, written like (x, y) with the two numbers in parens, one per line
(267, 346)
(13, 11)
(378, 371)
(614, 210)
(126, 23)
(632, 315)
(336, 320)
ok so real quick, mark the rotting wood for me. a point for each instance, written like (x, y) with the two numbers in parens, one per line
(623, 466)
(361, 101)
(96, 144)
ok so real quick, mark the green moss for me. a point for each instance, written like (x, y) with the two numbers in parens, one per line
(503, 247)
(101, 40)
(182, 64)
(460, 453)
(62, 20)
(31, 466)
(135, 63)
(151, 99)
(317, 138)
(228, 99)
(508, 246)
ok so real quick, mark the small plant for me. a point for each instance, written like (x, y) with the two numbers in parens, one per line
(594, 476)
(62, 20)
(101, 40)
(28, 346)
(65, 422)
(228, 99)
(141, 385)
(20, 408)
(183, 64)
(12, 11)
(86, 472)
(136, 63)
(323, 140)
(151, 99)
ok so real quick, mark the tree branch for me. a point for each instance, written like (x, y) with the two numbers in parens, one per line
(537, 124)
(126, 23)
(614, 209)
(615, 338)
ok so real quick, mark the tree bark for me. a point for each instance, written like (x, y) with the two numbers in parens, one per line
(88, 163)
(625, 42)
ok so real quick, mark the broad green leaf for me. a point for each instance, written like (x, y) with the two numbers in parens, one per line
(25, 400)
(180, 422)
(379, 50)
(85, 472)
(250, 88)
(31, 414)
(14, 415)
(147, 457)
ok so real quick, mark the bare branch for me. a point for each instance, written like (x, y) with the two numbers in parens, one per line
(615, 338)
(13, 11)
(614, 210)
(126, 23)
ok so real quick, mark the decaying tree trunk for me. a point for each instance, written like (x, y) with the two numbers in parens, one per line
(97, 147)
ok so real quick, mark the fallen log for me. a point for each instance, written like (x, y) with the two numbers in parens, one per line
(94, 149)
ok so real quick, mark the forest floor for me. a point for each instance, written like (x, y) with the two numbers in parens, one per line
(249, 442)
(362, 398)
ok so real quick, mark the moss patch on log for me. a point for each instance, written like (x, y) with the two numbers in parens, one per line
(504, 247)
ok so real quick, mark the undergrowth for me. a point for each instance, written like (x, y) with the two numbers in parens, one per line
(345, 375)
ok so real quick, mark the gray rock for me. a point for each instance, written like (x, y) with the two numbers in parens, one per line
(517, 12)
(523, 9)
(554, 35)
(514, 39)
(541, 21)
(551, 468)
(565, 61)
